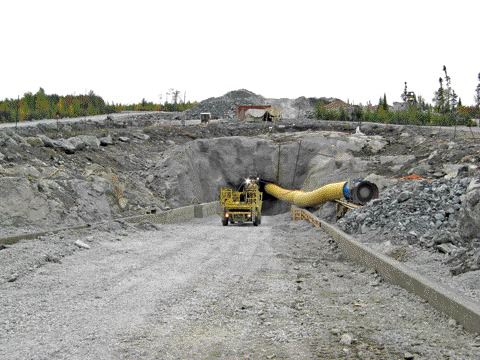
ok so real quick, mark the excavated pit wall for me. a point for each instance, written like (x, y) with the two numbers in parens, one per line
(44, 185)
(195, 171)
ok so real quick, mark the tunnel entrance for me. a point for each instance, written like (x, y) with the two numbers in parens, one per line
(270, 205)
(197, 171)
(273, 206)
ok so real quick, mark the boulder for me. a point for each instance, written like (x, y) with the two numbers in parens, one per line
(105, 141)
(141, 136)
(469, 219)
(34, 141)
(47, 142)
(65, 145)
(89, 140)
(62, 144)
(77, 143)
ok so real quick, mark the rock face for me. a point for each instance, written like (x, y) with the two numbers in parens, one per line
(469, 220)
(195, 172)
(26, 203)
(18, 191)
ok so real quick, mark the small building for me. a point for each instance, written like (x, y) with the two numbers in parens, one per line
(205, 117)
(242, 110)
(258, 113)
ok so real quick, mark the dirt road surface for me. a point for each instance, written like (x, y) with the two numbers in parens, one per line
(199, 290)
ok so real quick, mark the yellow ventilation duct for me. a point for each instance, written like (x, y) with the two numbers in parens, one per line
(359, 192)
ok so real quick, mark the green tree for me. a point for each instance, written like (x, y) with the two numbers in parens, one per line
(439, 98)
(450, 96)
(42, 105)
(385, 104)
(380, 104)
(477, 93)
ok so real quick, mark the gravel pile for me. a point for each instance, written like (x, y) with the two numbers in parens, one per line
(424, 213)
(225, 106)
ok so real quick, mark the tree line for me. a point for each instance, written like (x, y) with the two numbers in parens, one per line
(43, 106)
(446, 109)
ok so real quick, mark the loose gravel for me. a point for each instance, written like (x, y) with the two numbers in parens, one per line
(200, 290)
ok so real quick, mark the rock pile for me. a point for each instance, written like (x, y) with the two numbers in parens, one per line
(225, 106)
(425, 213)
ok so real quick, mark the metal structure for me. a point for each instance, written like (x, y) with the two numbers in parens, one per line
(242, 206)
(205, 117)
(268, 113)
(342, 207)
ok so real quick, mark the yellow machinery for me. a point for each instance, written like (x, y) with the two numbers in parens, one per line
(242, 206)
(246, 205)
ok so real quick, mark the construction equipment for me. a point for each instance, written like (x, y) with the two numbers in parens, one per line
(242, 206)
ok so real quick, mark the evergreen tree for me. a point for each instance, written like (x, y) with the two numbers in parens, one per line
(439, 98)
(450, 96)
(477, 92)
(385, 104)
(447, 90)
(453, 101)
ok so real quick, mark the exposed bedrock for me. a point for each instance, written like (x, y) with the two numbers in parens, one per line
(195, 172)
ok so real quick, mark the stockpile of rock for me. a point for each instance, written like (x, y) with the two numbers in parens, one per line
(432, 214)
(225, 106)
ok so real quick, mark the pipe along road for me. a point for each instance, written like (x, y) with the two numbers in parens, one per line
(200, 290)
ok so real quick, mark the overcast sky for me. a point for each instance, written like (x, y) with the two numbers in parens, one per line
(127, 50)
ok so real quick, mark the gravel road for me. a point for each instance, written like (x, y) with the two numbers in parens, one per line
(101, 118)
(200, 290)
